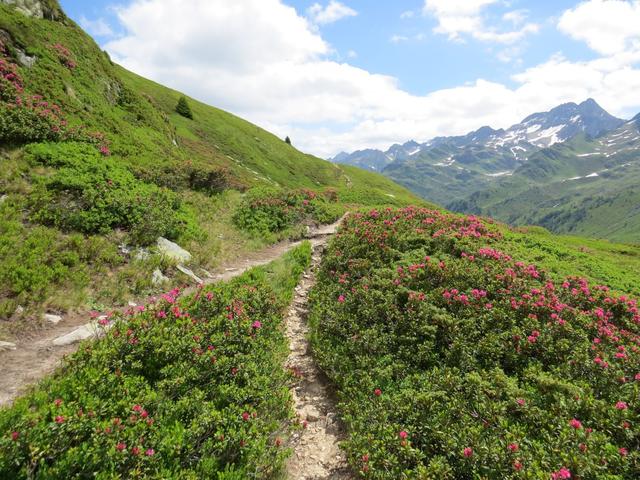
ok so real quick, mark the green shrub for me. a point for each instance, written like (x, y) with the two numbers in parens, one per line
(455, 361)
(203, 178)
(271, 210)
(92, 194)
(185, 388)
(183, 108)
(36, 260)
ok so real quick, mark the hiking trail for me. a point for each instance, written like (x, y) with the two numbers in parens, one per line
(38, 353)
(316, 453)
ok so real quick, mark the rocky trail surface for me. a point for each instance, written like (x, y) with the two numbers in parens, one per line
(38, 353)
(316, 453)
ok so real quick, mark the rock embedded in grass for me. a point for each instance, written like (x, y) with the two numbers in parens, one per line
(189, 273)
(25, 60)
(172, 250)
(158, 277)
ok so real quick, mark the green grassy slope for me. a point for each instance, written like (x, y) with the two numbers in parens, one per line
(188, 175)
(253, 154)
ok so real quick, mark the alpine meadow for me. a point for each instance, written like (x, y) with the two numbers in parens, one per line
(185, 295)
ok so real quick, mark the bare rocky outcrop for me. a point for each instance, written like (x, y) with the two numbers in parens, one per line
(48, 9)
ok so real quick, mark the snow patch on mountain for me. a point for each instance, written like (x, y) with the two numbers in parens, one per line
(500, 174)
(447, 163)
(548, 136)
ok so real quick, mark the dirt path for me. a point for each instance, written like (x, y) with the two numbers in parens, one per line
(316, 454)
(36, 355)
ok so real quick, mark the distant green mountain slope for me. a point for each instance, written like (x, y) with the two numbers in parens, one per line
(573, 169)
(584, 186)
(448, 168)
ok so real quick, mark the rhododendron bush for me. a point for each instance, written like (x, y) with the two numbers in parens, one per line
(454, 360)
(91, 194)
(185, 387)
(272, 210)
(24, 117)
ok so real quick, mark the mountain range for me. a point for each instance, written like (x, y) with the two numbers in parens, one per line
(564, 169)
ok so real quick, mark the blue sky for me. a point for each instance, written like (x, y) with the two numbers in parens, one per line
(427, 58)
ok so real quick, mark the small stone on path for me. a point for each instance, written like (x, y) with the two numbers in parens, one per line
(88, 330)
(7, 346)
(51, 318)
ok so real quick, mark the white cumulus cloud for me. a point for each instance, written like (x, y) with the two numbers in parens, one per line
(607, 26)
(457, 18)
(333, 12)
(99, 27)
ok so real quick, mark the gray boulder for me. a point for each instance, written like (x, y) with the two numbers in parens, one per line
(172, 250)
(25, 60)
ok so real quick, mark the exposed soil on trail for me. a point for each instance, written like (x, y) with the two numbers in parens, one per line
(316, 453)
(36, 356)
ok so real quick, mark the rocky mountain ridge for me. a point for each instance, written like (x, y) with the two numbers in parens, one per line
(509, 147)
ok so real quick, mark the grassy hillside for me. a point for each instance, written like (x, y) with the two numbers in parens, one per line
(459, 347)
(96, 163)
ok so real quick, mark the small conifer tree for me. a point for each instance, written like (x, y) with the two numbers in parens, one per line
(183, 108)
(288, 140)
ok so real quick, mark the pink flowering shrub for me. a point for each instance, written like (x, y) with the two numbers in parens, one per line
(11, 83)
(25, 118)
(492, 368)
(187, 387)
(64, 55)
